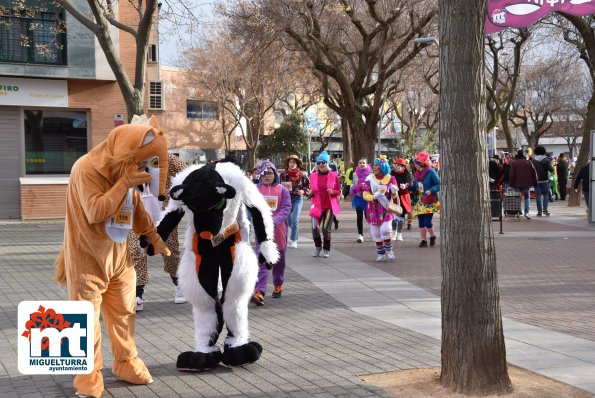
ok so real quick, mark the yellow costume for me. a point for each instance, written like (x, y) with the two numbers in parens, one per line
(94, 261)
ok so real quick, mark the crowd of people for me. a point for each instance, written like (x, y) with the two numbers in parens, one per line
(537, 173)
(388, 194)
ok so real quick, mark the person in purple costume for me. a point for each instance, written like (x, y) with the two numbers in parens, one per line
(279, 200)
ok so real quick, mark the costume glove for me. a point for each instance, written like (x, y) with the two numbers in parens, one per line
(403, 186)
(135, 177)
(154, 245)
(394, 189)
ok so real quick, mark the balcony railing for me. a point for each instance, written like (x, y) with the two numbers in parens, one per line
(33, 40)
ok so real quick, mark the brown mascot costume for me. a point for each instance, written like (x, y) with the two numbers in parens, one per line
(102, 207)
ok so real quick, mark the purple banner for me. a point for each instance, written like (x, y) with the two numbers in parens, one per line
(522, 13)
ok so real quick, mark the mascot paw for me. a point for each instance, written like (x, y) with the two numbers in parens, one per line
(262, 260)
(247, 353)
(191, 361)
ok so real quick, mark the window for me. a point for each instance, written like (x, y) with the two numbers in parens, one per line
(201, 110)
(152, 54)
(54, 140)
(156, 96)
(33, 35)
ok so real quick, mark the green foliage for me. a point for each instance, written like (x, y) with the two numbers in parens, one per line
(289, 138)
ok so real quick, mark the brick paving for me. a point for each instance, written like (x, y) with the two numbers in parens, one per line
(313, 345)
(546, 268)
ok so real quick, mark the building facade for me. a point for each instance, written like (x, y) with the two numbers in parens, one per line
(58, 99)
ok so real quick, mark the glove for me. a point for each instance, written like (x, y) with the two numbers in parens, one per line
(377, 194)
(394, 189)
(154, 247)
(135, 177)
(403, 186)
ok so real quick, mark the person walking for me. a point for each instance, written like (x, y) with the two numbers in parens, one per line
(404, 179)
(379, 189)
(425, 187)
(522, 176)
(138, 255)
(362, 171)
(543, 166)
(297, 183)
(583, 179)
(562, 172)
(325, 190)
(279, 200)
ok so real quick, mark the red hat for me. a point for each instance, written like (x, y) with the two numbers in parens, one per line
(401, 161)
(423, 157)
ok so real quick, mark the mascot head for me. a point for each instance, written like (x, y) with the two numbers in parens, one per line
(205, 193)
(142, 143)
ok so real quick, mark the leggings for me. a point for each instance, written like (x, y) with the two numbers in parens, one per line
(322, 226)
(360, 221)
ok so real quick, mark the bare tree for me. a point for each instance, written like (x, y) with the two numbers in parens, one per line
(473, 350)
(356, 46)
(543, 90)
(247, 86)
(504, 56)
(578, 32)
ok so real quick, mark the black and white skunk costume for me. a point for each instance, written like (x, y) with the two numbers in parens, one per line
(217, 241)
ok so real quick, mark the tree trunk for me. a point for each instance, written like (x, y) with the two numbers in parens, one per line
(134, 102)
(347, 151)
(251, 152)
(584, 151)
(363, 137)
(507, 134)
(473, 350)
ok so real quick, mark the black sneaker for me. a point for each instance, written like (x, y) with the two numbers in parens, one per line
(423, 243)
(408, 226)
(432, 241)
(546, 213)
(539, 214)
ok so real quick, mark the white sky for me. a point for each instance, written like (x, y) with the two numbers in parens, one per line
(173, 39)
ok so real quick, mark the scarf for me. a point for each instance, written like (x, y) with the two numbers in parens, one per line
(294, 174)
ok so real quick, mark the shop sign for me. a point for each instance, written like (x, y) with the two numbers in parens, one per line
(33, 92)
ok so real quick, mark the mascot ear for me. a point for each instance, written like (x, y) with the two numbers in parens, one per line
(227, 191)
(176, 192)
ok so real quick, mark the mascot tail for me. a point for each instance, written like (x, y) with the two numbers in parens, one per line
(59, 271)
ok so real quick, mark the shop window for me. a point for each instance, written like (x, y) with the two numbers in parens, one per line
(32, 32)
(201, 110)
(54, 140)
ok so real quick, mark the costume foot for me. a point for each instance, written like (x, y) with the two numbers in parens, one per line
(191, 361)
(247, 353)
(132, 370)
(90, 385)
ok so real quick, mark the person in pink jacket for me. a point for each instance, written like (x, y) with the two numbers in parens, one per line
(325, 190)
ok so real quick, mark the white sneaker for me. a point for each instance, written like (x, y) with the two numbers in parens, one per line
(179, 296)
(360, 238)
(326, 253)
(293, 244)
(395, 234)
(400, 237)
(139, 304)
(390, 255)
(316, 251)
(380, 258)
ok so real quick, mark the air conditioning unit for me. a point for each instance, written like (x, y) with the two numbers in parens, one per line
(156, 102)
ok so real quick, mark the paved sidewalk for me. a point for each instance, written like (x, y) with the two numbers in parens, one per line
(339, 317)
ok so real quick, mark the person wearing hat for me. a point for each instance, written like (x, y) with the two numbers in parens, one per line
(297, 183)
(362, 171)
(279, 200)
(325, 190)
(425, 187)
(404, 179)
(379, 189)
